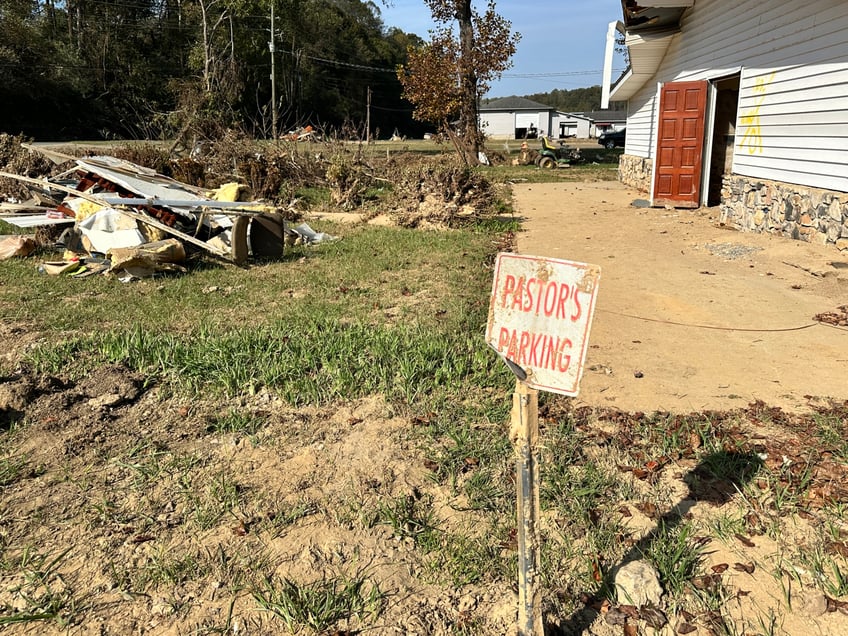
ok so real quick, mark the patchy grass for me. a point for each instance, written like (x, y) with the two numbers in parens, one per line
(8, 229)
(319, 605)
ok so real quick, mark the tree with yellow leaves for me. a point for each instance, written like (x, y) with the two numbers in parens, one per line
(446, 77)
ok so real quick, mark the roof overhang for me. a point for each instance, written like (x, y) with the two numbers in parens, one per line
(648, 30)
(646, 51)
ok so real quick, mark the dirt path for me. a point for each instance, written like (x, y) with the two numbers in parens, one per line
(707, 317)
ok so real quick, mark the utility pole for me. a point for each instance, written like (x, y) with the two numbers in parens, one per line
(273, 81)
(368, 119)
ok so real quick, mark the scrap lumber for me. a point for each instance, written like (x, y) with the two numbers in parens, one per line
(137, 216)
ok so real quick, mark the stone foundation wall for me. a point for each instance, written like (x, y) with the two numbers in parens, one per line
(798, 212)
(635, 172)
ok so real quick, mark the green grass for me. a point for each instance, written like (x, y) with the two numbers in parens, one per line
(832, 431)
(473, 459)
(237, 421)
(304, 360)
(465, 559)
(205, 508)
(43, 591)
(383, 310)
(369, 273)
(8, 228)
(320, 605)
(12, 469)
(604, 170)
(675, 554)
(411, 517)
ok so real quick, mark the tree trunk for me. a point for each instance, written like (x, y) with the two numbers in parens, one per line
(469, 129)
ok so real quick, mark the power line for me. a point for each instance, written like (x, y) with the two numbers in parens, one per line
(349, 65)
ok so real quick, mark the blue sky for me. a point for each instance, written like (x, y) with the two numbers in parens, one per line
(563, 40)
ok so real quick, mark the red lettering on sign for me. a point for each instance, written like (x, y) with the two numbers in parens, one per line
(535, 350)
(562, 356)
(541, 297)
(503, 339)
(551, 299)
(563, 298)
(578, 310)
(512, 347)
(509, 287)
(523, 344)
(518, 296)
(527, 302)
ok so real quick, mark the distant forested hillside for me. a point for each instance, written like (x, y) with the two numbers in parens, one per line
(577, 100)
(72, 69)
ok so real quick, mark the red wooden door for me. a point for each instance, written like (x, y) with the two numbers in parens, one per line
(677, 169)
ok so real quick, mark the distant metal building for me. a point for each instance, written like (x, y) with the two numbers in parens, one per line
(516, 118)
(571, 125)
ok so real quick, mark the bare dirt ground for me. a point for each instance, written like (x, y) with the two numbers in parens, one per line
(691, 314)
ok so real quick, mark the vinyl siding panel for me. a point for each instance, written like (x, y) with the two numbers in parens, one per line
(640, 125)
(793, 112)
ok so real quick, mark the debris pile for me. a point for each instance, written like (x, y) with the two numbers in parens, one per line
(838, 317)
(440, 193)
(117, 216)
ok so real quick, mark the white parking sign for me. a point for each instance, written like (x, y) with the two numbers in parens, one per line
(540, 314)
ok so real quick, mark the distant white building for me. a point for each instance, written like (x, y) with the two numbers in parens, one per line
(742, 104)
(565, 125)
(516, 118)
(605, 121)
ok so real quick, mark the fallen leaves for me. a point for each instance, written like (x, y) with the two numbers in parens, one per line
(836, 606)
(838, 317)
(628, 616)
(747, 568)
(706, 582)
(653, 617)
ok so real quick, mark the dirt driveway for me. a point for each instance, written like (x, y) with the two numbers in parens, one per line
(692, 315)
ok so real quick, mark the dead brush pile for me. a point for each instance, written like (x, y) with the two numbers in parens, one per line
(18, 160)
(273, 171)
(438, 191)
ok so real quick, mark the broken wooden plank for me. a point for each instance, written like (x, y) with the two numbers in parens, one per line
(131, 213)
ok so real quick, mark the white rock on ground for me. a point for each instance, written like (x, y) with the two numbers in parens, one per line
(638, 583)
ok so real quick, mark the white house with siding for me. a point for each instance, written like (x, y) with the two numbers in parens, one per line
(522, 118)
(742, 104)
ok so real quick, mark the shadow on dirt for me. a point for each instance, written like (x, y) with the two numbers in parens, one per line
(714, 480)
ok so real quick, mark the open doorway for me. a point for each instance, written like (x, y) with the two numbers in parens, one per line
(724, 134)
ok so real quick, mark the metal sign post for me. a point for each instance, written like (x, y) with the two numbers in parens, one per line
(539, 318)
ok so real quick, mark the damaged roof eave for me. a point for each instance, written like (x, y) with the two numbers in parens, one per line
(653, 14)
